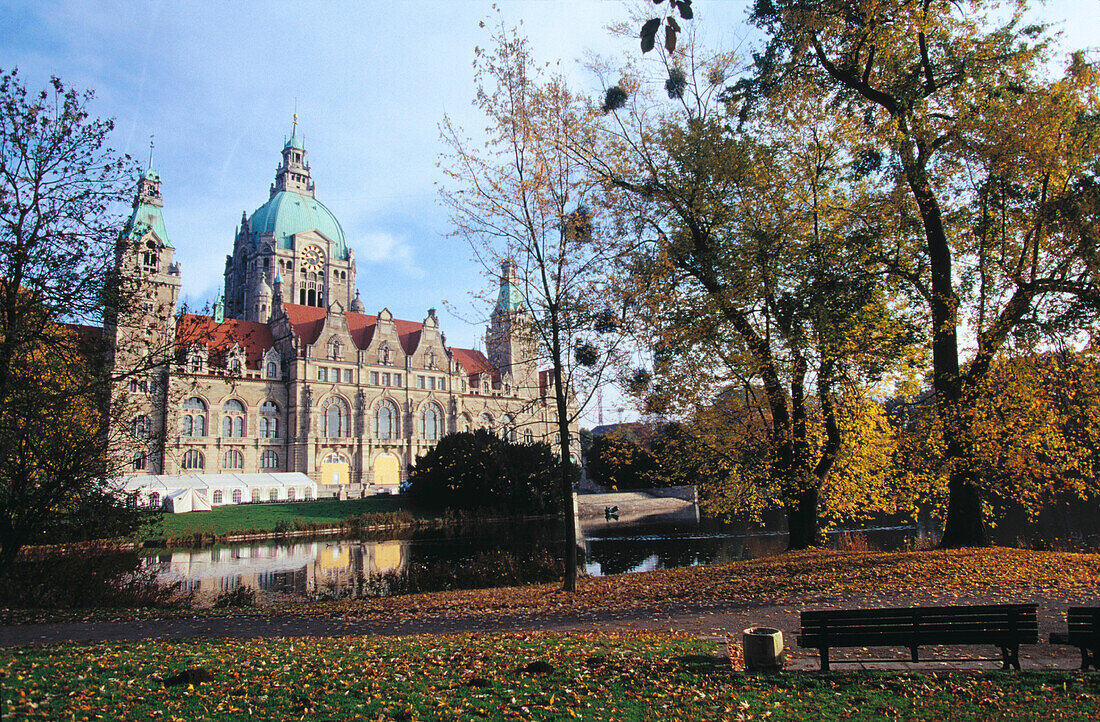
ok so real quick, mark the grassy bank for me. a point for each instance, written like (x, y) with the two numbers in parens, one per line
(249, 518)
(530, 676)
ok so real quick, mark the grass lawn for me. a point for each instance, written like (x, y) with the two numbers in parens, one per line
(528, 676)
(264, 517)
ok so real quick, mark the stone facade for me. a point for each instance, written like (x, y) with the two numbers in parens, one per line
(289, 373)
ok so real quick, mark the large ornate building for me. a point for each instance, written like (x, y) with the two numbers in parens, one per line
(289, 373)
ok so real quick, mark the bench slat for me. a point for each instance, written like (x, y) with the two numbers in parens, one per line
(905, 640)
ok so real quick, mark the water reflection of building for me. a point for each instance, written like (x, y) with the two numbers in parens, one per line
(338, 568)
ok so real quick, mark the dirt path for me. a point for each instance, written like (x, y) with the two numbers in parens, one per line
(716, 622)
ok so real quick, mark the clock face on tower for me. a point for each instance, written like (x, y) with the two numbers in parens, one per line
(313, 258)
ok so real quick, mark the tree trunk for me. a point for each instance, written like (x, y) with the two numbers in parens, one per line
(965, 523)
(964, 526)
(802, 520)
(569, 579)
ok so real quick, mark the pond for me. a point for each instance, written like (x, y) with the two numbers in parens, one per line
(484, 555)
(511, 553)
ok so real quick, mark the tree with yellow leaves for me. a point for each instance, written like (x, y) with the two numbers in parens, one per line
(987, 167)
(747, 246)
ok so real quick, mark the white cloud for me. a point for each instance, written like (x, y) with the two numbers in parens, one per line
(385, 248)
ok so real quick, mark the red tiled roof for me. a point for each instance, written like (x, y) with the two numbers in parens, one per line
(474, 362)
(84, 333)
(255, 338)
(307, 322)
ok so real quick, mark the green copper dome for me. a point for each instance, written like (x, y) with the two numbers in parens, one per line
(288, 213)
(510, 297)
(146, 218)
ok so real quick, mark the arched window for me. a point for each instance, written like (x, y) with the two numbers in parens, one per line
(309, 493)
(528, 437)
(194, 417)
(233, 460)
(508, 428)
(235, 367)
(335, 419)
(269, 460)
(193, 459)
(290, 494)
(272, 370)
(269, 421)
(487, 421)
(217, 496)
(255, 495)
(385, 421)
(154, 499)
(430, 422)
(273, 495)
(141, 426)
(464, 423)
(233, 418)
(139, 461)
(237, 496)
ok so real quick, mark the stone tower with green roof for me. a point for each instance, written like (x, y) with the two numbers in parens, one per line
(293, 236)
(510, 344)
(143, 333)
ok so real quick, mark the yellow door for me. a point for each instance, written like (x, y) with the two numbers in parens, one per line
(387, 470)
(335, 473)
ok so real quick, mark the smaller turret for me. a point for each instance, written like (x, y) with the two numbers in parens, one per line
(262, 297)
(357, 304)
(293, 174)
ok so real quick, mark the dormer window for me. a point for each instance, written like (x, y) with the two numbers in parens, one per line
(196, 359)
(149, 257)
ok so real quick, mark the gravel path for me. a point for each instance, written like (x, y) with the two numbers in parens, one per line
(714, 622)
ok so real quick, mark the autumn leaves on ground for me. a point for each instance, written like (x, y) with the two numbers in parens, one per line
(605, 675)
(513, 676)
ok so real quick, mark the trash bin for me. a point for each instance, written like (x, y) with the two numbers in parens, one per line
(763, 648)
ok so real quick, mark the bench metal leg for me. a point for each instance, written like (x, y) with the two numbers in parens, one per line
(1086, 658)
(824, 654)
(913, 654)
(1010, 658)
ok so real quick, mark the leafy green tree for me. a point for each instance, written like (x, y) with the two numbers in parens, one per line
(60, 189)
(477, 470)
(987, 168)
(619, 461)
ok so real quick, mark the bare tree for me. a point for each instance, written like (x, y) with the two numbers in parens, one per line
(522, 198)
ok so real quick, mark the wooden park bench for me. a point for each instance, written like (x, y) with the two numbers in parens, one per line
(1003, 625)
(1084, 633)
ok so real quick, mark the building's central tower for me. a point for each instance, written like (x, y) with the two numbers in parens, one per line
(292, 237)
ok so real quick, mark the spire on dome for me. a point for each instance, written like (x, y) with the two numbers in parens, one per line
(294, 141)
(293, 174)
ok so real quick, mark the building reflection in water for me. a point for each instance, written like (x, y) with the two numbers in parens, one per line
(307, 569)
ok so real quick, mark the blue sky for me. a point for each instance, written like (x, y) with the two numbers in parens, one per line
(217, 83)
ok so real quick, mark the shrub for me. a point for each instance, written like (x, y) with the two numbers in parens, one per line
(478, 470)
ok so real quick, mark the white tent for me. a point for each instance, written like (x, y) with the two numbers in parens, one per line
(184, 500)
(210, 490)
